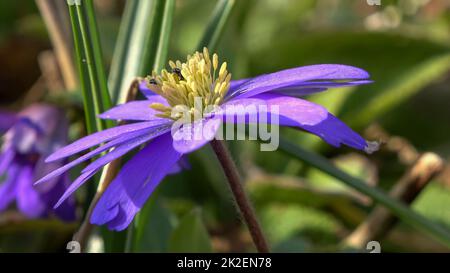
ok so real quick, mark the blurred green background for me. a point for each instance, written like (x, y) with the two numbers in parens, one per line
(404, 45)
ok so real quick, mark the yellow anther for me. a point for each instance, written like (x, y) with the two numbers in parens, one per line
(223, 69)
(215, 61)
(172, 64)
(197, 77)
(159, 107)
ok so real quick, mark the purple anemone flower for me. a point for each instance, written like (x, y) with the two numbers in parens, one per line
(7, 119)
(30, 137)
(171, 97)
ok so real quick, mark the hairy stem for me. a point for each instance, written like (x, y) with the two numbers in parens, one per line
(240, 196)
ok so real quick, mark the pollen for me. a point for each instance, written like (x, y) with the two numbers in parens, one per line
(194, 86)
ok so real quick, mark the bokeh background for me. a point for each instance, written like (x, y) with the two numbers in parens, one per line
(405, 46)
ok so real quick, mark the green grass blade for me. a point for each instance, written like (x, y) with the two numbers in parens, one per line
(119, 59)
(88, 103)
(399, 209)
(164, 29)
(89, 63)
(147, 27)
(98, 55)
(136, 54)
(157, 42)
(83, 19)
(216, 25)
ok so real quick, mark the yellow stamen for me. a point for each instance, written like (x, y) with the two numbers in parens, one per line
(196, 78)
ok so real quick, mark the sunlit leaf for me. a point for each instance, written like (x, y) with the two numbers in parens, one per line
(190, 235)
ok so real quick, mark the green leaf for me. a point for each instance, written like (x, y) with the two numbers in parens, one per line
(284, 221)
(400, 66)
(406, 85)
(283, 189)
(162, 30)
(82, 71)
(190, 235)
(89, 60)
(403, 212)
(155, 224)
(142, 43)
(216, 25)
(97, 53)
(434, 202)
(114, 241)
(120, 56)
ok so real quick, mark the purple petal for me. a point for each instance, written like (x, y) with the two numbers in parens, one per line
(42, 115)
(135, 110)
(67, 210)
(138, 178)
(41, 169)
(336, 132)
(124, 148)
(120, 150)
(74, 186)
(299, 113)
(125, 138)
(6, 158)
(46, 123)
(28, 199)
(309, 88)
(296, 76)
(235, 84)
(23, 136)
(192, 136)
(145, 90)
(8, 188)
(292, 111)
(96, 139)
(182, 164)
(7, 120)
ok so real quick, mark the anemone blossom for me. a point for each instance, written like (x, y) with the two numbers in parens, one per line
(171, 96)
(31, 136)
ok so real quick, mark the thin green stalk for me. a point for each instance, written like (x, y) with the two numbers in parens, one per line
(98, 55)
(162, 48)
(156, 44)
(89, 61)
(399, 209)
(121, 48)
(85, 87)
(146, 26)
(216, 25)
(91, 66)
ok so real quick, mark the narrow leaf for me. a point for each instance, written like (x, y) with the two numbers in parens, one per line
(89, 59)
(216, 25)
(400, 210)
(149, 25)
(119, 60)
(82, 70)
(190, 235)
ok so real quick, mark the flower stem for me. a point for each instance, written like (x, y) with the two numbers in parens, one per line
(83, 234)
(234, 180)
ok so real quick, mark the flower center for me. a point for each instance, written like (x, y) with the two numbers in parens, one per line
(191, 88)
